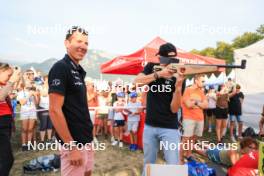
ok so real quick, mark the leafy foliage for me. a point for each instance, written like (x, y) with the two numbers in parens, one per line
(225, 50)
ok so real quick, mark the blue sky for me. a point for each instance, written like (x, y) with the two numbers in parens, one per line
(121, 27)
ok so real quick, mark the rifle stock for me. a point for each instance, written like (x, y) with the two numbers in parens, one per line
(188, 69)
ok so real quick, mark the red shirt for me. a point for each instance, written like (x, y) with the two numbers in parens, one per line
(247, 164)
(5, 108)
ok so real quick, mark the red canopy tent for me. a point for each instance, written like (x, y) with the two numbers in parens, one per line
(133, 64)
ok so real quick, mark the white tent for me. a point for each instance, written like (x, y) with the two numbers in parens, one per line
(206, 79)
(212, 79)
(189, 82)
(251, 80)
(231, 75)
(221, 79)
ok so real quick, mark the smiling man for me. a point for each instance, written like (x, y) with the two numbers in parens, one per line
(68, 106)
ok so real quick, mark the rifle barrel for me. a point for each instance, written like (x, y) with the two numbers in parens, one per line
(242, 66)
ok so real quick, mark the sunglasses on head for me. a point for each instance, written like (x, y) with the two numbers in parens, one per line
(4, 65)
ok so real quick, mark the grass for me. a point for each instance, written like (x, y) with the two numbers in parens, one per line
(111, 162)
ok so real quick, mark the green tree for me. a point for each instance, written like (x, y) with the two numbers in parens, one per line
(195, 51)
(209, 51)
(224, 51)
(246, 39)
(260, 29)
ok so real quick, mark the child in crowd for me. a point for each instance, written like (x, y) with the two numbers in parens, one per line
(119, 121)
(133, 110)
(210, 112)
(102, 114)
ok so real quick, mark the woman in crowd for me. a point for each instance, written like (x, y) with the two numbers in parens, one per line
(8, 78)
(43, 115)
(27, 98)
(221, 113)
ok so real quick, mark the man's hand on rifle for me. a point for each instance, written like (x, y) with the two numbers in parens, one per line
(166, 73)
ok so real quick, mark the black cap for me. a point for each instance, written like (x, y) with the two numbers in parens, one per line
(167, 50)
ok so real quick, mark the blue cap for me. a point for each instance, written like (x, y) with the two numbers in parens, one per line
(133, 94)
(120, 94)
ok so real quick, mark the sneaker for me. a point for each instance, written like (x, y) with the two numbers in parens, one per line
(30, 146)
(95, 140)
(120, 144)
(53, 139)
(135, 147)
(233, 139)
(49, 141)
(131, 147)
(114, 143)
(222, 139)
(112, 139)
(24, 147)
(220, 144)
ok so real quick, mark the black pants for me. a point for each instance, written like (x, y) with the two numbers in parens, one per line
(6, 154)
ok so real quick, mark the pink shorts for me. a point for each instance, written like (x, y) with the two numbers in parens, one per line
(69, 170)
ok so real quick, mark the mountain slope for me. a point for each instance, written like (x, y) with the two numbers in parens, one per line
(91, 64)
